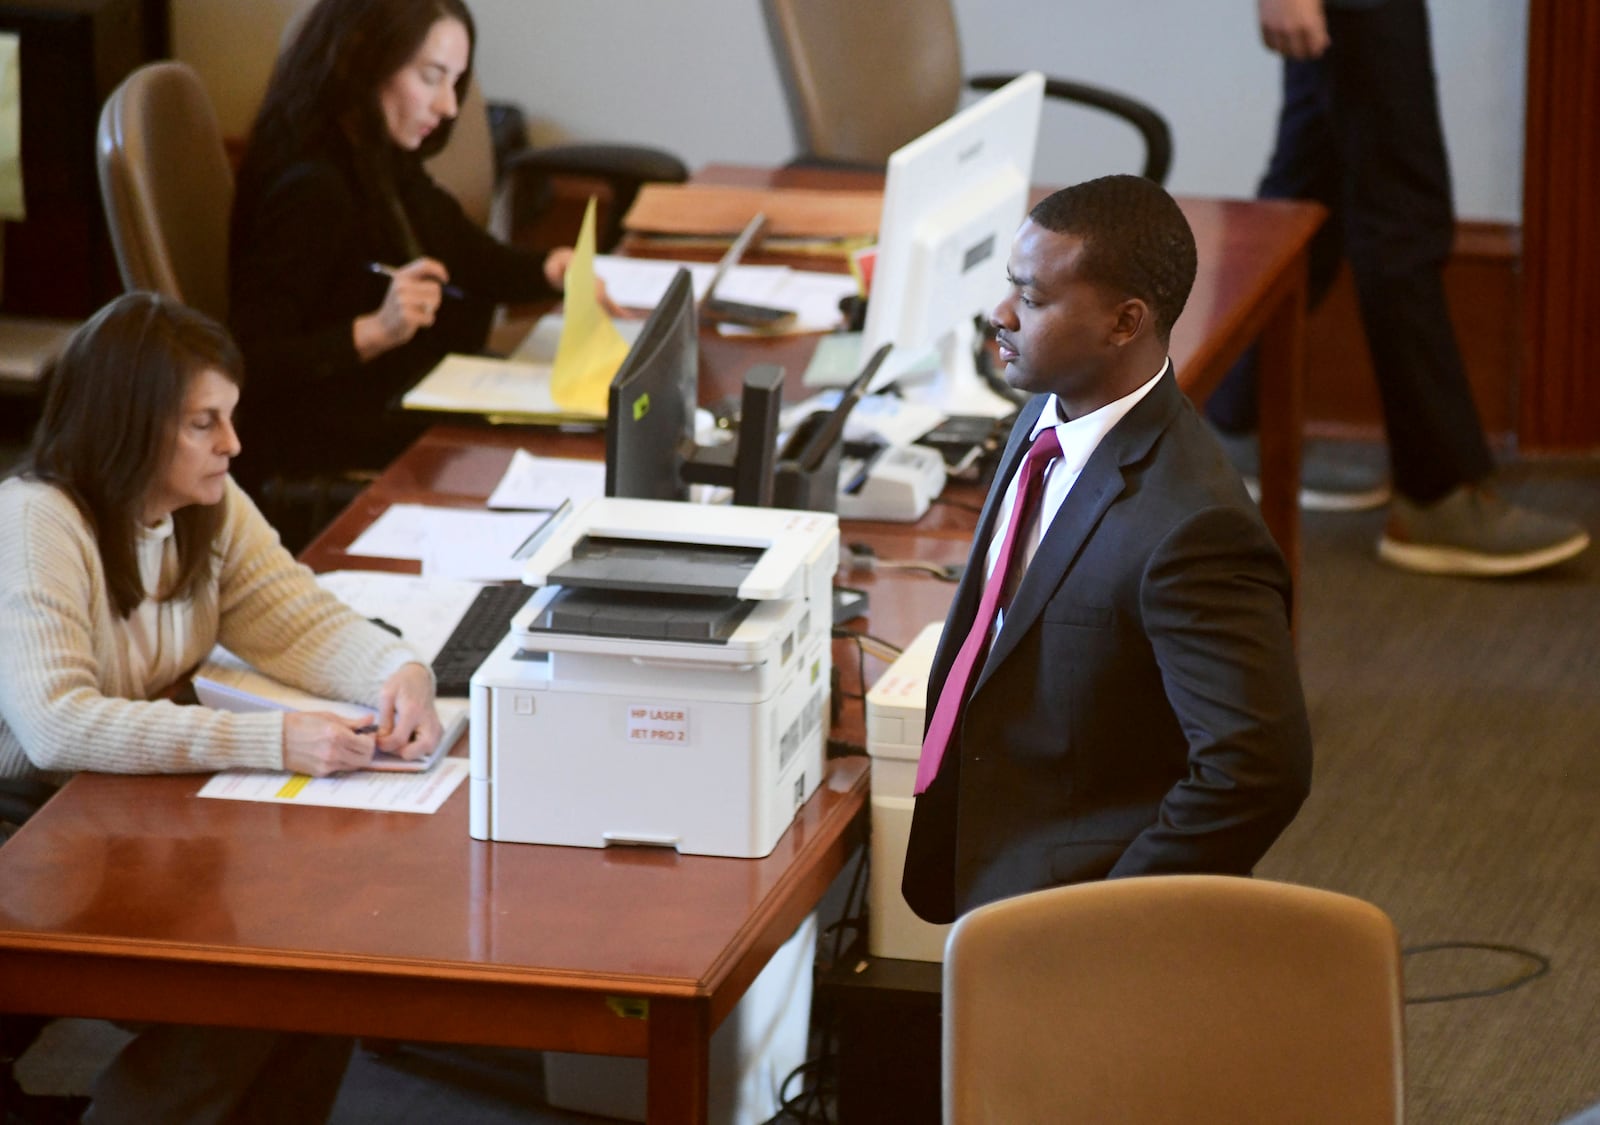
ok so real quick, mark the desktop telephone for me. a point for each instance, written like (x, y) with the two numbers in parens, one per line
(878, 481)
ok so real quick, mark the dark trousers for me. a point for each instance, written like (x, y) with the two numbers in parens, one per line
(1359, 132)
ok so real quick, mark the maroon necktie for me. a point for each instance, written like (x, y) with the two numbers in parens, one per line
(1046, 447)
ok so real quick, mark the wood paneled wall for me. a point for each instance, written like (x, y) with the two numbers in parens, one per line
(1560, 397)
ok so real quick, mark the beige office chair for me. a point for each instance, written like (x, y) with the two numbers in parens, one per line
(863, 78)
(1203, 999)
(167, 186)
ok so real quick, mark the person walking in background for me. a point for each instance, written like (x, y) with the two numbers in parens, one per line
(1359, 132)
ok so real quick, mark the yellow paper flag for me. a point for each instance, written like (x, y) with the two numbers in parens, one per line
(591, 348)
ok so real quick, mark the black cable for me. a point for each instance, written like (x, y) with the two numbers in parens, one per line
(858, 636)
(962, 505)
(1541, 966)
(810, 1105)
(841, 633)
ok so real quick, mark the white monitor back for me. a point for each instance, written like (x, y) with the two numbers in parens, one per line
(953, 199)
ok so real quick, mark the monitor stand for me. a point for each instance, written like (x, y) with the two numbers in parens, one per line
(954, 385)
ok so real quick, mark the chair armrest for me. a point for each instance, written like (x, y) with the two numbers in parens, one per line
(1151, 125)
(624, 168)
(620, 162)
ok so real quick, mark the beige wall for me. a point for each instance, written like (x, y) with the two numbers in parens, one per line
(698, 77)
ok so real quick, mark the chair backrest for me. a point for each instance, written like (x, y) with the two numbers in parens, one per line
(167, 186)
(1194, 998)
(863, 77)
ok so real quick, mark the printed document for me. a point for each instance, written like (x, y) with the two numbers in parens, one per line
(383, 792)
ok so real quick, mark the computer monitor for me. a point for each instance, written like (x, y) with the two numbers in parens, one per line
(953, 199)
(650, 407)
(650, 415)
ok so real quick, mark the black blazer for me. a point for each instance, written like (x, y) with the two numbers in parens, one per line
(298, 277)
(1140, 711)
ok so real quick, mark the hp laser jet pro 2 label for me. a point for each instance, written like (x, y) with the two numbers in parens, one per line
(658, 724)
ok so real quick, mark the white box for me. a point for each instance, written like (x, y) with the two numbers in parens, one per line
(895, 708)
(752, 1052)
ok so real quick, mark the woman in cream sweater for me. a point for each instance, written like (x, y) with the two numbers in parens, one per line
(126, 553)
(129, 552)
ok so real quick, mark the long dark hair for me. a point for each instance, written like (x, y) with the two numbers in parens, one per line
(323, 100)
(109, 428)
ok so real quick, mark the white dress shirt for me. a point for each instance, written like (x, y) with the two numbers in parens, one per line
(1079, 438)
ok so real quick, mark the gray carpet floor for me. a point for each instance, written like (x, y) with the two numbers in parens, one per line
(1457, 785)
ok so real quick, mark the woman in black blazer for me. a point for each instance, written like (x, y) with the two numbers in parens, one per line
(352, 272)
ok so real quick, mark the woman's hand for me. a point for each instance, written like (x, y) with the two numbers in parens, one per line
(408, 724)
(415, 290)
(555, 272)
(317, 743)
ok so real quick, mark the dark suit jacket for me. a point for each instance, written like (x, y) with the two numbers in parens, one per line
(1140, 711)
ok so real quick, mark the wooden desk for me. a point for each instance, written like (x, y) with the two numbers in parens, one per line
(131, 898)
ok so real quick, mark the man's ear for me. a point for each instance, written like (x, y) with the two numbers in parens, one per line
(1133, 319)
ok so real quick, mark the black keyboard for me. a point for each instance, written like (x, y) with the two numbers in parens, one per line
(480, 629)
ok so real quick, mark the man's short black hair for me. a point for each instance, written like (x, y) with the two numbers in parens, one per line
(1136, 241)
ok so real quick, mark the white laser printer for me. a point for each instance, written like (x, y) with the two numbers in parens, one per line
(667, 684)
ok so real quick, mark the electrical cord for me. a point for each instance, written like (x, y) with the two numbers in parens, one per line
(1540, 965)
(866, 645)
(959, 505)
(983, 360)
(862, 556)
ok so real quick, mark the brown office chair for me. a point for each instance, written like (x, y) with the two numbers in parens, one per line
(1196, 998)
(167, 186)
(863, 78)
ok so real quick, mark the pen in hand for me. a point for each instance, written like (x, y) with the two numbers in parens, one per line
(453, 291)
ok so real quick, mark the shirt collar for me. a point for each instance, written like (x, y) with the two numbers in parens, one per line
(1093, 426)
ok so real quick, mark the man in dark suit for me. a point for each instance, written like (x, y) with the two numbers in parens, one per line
(1135, 708)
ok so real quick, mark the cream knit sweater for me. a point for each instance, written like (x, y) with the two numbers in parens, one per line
(69, 699)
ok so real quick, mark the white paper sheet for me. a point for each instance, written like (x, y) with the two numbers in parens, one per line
(813, 296)
(424, 609)
(640, 283)
(542, 483)
(451, 542)
(384, 792)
